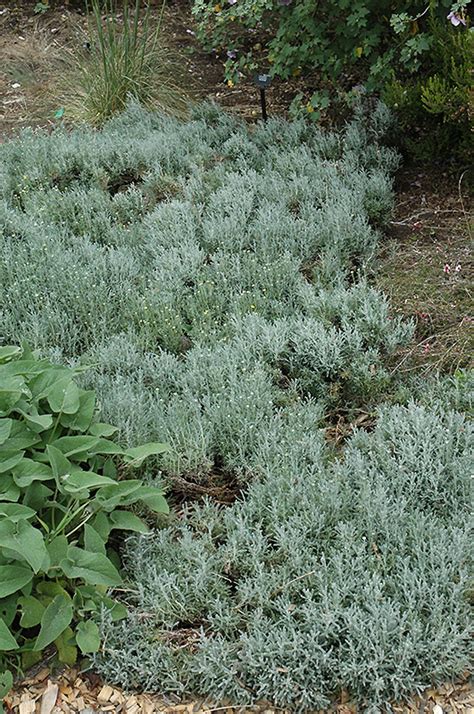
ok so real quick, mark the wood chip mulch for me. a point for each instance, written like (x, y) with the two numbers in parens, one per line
(84, 693)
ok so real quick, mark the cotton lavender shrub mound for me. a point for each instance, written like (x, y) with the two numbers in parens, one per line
(217, 280)
(350, 574)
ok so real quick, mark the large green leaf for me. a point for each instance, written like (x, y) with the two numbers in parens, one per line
(48, 589)
(8, 352)
(21, 437)
(66, 646)
(105, 446)
(56, 618)
(8, 608)
(101, 429)
(9, 491)
(45, 380)
(138, 454)
(93, 542)
(94, 568)
(126, 521)
(88, 637)
(5, 429)
(75, 445)
(30, 368)
(57, 550)
(80, 480)
(38, 422)
(63, 396)
(11, 391)
(80, 421)
(59, 463)
(101, 523)
(15, 512)
(26, 541)
(13, 578)
(28, 470)
(32, 610)
(7, 641)
(36, 495)
(116, 610)
(9, 459)
(154, 499)
(6, 683)
(120, 494)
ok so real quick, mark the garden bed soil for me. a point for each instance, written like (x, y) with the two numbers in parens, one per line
(426, 267)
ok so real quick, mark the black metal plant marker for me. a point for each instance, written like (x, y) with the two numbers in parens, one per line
(263, 81)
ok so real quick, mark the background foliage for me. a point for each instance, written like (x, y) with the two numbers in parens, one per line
(409, 50)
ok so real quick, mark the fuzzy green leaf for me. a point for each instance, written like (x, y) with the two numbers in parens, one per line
(26, 541)
(32, 611)
(38, 422)
(59, 463)
(63, 396)
(28, 470)
(8, 352)
(124, 520)
(7, 641)
(135, 457)
(93, 568)
(9, 459)
(57, 550)
(93, 542)
(67, 650)
(56, 618)
(5, 429)
(101, 429)
(11, 391)
(6, 683)
(81, 420)
(15, 512)
(154, 499)
(88, 637)
(13, 578)
(80, 480)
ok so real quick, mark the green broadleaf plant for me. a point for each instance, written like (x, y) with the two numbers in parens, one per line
(61, 495)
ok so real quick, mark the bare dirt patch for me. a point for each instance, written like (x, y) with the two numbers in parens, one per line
(427, 267)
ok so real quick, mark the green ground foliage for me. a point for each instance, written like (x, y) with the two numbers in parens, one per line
(217, 279)
(60, 500)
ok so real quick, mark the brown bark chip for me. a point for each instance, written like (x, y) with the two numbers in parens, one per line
(75, 692)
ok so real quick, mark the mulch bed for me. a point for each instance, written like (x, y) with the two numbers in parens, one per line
(84, 693)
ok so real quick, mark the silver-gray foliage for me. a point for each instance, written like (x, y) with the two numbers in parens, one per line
(218, 280)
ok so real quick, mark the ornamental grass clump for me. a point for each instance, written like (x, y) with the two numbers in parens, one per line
(124, 56)
(217, 280)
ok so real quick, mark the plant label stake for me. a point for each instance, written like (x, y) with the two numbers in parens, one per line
(263, 81)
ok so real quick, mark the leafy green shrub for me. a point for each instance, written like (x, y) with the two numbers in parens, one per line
(435, 109)
(123, 58)
(335, 38)
(63, 492)
(410, 47)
